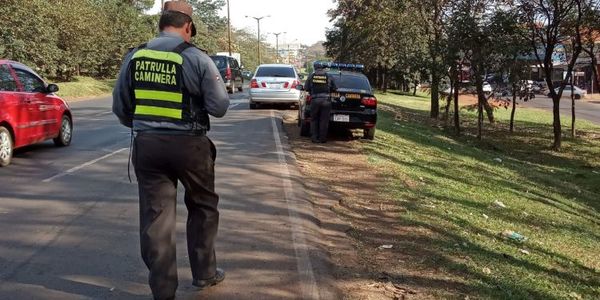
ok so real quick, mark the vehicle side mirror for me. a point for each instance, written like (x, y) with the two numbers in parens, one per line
(300, 87)
(52, 88)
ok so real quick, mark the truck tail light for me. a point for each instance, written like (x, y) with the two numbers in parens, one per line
(295, 84)
(369, 101)
(228, 73)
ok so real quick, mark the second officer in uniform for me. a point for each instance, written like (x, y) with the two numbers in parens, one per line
(319, 86)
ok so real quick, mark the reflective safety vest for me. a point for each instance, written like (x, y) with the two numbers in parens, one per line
(158, 89)
(320, 84)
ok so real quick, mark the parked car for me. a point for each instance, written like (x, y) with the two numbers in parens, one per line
(353, 103)
(231, 72)
(275, 83)
(30, 111)
(579, 93)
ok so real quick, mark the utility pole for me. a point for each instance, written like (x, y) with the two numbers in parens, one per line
(258, 23)
(228, 27)
(277, 43)
(162, 5)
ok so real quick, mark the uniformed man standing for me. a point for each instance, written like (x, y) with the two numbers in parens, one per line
(166, 91)
(318, 85)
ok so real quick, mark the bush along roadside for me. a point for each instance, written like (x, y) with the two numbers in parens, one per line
(85, 87)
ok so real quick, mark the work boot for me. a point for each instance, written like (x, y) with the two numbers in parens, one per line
(206, 283)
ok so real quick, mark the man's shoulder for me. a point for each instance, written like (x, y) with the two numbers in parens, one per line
(197, 55)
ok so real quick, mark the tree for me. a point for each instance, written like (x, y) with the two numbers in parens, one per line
(432, 18)
(590, 35)
(551, 23)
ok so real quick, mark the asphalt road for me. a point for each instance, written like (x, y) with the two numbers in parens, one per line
(69, 216)
(587, 109)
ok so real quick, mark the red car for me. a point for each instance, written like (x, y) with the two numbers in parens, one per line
(30, 112)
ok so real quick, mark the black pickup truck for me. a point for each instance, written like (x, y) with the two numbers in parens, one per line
(353, 104)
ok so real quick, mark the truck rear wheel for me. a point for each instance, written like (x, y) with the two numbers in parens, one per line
(369, 133)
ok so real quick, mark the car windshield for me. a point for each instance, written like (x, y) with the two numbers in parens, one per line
(276, 72)
(220, 62)
(350, 81)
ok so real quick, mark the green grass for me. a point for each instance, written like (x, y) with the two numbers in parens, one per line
(448, 184)
(82, 87)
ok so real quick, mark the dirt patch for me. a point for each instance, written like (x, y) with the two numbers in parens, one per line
(362, 228)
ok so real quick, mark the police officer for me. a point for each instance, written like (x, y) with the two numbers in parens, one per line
(166, 91)
(319, 86)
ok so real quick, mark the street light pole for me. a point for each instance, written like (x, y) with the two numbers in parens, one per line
(228, 27)
(258, 23)
(277, 43)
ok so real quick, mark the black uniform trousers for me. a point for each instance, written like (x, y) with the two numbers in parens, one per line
(320, 108)
(161, 160)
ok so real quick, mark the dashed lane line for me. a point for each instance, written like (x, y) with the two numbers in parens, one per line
(83, 165)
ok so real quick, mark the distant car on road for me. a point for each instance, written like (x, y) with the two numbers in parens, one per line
(487, 88)
(579, 93)
(247, 75)
(353, 103)
(231, 72)
(273, 84)
(30, 111)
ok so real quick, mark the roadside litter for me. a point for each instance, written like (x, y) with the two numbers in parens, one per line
(385, 247)
(524, 251)
(514, 236)
(498, 159)
(499, 204)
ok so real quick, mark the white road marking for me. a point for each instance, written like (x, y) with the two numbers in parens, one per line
(238, 101)
(233, 105)
(103, 113)
(81, 166)
(308, 288)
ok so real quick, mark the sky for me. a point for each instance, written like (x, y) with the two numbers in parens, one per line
(304, 21)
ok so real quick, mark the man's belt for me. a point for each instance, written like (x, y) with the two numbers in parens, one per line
(320, 95)
(198, 132)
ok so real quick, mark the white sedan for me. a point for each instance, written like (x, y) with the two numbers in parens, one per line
(274, 84)
(579, 93)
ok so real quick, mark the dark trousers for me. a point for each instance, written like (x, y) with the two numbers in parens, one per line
(320, 108)
(160, 161)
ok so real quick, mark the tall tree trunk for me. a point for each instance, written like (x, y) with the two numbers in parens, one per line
(514, 108)
(456, 107)
(489, 110)
(384, 82)
(448, 103)
(573, 131)
(415, 88)
(595, 73)
(594, 64)
(480, 105)
(556, 124)
(435, 93)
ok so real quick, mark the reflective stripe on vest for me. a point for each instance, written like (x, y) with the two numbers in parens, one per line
(157, 85)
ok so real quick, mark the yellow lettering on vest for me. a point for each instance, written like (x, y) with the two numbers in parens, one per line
(173, 70)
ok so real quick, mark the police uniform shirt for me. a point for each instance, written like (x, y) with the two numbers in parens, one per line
(318, 83)
(201, 78)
